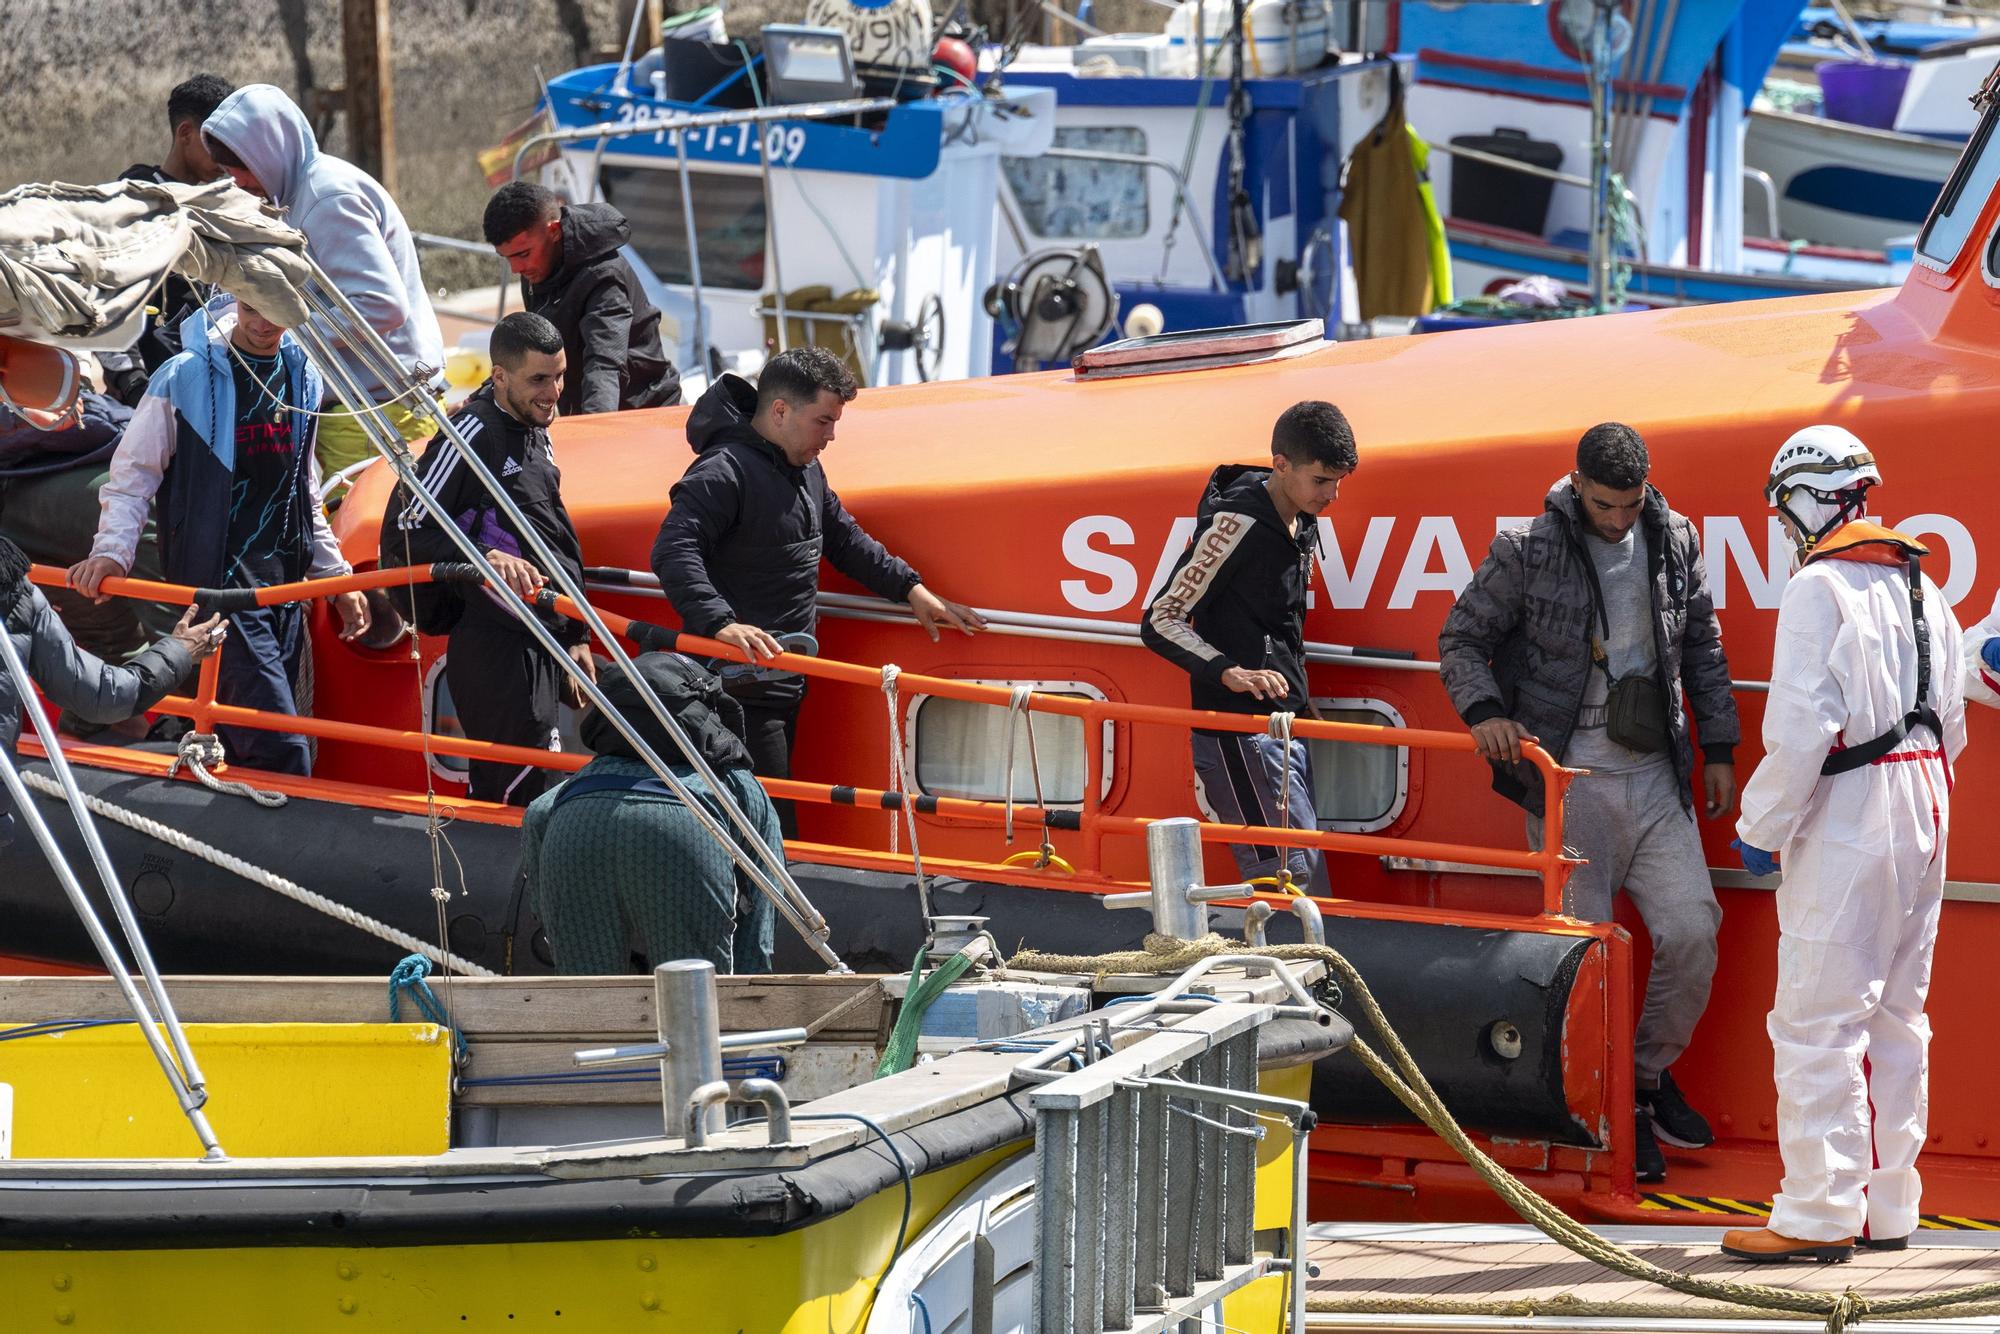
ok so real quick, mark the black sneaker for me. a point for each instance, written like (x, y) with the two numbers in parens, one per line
(1673, 1120)
(1648, 1163)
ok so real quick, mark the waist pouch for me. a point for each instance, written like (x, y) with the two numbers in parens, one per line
(1635, 714)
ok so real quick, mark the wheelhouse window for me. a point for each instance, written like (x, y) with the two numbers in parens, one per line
(1965, 194)
(729, 222)
(441, 718)
(1084, 199)
(1359, 788)
(959, 749)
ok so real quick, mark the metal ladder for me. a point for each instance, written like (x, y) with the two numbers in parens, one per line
(1146, 1157)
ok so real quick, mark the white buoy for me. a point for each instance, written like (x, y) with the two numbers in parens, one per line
(1144, 321)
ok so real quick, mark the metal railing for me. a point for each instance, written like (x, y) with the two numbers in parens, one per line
(1089, 819)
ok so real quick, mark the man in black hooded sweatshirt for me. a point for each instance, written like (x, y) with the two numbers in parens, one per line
(1232, 616)
(738, 553)
(573, 276)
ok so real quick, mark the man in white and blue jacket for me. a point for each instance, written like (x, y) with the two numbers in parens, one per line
(223, 442)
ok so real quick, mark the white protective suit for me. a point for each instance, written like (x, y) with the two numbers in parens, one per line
(1982, 683)
(1863, 856)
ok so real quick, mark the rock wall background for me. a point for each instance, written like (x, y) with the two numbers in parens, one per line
(83, 84)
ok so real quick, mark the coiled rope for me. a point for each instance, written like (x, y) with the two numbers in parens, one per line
(1400, 1075)
(201, 751)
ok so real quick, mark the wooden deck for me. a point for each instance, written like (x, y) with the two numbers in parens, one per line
(1365, 1262)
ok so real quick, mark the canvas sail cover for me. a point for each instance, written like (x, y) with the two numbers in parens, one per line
(78, 263)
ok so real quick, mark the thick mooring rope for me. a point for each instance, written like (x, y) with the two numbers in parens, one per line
(1164, 954)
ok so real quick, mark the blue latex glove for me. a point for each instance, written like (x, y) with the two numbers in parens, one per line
(1989, 653)
(1755, 860)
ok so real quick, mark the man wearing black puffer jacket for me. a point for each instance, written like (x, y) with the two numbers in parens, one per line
(739, 551)
(573, 276)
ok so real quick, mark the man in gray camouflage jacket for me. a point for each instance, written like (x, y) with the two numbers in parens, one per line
(1591, 631)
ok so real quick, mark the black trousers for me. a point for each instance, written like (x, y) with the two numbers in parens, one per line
(506, 689)
(769, 730)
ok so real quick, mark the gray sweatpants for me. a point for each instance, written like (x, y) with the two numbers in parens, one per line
(1636, 834)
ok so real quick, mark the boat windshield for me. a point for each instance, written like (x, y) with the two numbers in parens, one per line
(1964, 196)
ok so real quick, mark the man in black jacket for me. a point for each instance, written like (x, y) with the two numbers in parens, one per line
(506, 688)
(573, 276)
(1232, 616)
(739, 551)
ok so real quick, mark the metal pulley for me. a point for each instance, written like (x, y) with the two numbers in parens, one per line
(1055, 304)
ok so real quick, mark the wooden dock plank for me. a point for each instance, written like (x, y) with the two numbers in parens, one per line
(1389, 1267)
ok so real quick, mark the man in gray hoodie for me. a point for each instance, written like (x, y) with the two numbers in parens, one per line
(355, 232)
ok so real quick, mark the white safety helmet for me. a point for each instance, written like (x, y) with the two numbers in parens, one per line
(1819, 481)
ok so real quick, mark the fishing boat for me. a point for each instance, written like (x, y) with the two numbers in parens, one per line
(1505, 97)
(948, 229)
(580, 1153)
(1055, 502)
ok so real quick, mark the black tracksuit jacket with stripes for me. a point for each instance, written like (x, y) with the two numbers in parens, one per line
(1237, 595)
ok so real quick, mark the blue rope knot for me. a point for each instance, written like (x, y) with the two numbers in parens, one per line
(411, 975)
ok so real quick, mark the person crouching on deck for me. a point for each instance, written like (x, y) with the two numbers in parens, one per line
(1853, 805)
(623, 875)
(223, 439)
(1232, 616)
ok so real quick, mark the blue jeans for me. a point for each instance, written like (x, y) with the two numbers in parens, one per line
(260, 660)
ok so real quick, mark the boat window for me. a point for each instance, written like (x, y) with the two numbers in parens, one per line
(1356, 788)
(729, 222)
(1965, 194)
(441, 717)
(1082, 198)
(959, 749)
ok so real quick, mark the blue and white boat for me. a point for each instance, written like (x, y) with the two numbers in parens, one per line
(912, 224)
(894, 202)
(1677, 106)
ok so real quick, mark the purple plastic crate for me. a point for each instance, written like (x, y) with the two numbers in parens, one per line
(1863, 92)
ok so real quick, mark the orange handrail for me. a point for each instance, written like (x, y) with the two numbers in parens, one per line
(271, 595)
(1091, 822)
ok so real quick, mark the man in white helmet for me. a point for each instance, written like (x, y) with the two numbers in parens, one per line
(1866, 715)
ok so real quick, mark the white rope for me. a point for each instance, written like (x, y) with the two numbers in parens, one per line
(199, 750)
(257, 875)
(1017, 704)
(898, 783)
(1018, 709)
(1281, 728)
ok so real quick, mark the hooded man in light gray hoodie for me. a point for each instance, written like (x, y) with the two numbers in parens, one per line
(354, 231)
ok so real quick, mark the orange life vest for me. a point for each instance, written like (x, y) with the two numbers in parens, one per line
(1875, 545)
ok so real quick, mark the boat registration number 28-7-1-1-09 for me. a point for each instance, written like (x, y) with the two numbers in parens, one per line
(782, 143)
